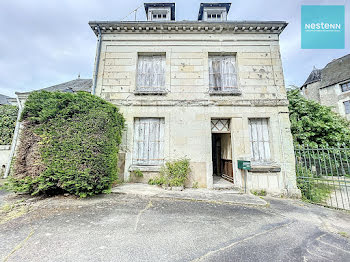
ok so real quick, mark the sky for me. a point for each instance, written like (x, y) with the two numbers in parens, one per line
(48, 42)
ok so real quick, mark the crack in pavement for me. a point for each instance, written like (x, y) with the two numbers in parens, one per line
(19, 246)
(240, 241)
(149, 205)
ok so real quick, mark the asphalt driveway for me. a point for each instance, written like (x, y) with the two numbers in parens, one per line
(132, 228)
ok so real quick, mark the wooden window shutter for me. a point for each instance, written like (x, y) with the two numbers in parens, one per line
(151, 72)
(148, 141)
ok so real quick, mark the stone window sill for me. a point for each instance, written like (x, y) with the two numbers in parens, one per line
(5, 147)
(231, 92)
(145, 168)
(265, 168)
(151, 92)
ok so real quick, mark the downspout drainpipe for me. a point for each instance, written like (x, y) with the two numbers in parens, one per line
(14, 140)
(99, 40)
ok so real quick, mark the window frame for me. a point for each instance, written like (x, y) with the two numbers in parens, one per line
(149, 89)
(346, 108)
(268, 140)
(223, 90)
(158, 141)
(347, 88)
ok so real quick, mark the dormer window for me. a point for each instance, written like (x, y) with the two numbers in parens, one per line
(215, 16)
(160, 11)
(158, 14)
(213, 11)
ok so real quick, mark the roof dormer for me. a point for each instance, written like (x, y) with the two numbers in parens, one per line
(213, 12)
(160, 11)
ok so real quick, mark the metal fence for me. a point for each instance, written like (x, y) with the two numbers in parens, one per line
(323, 175)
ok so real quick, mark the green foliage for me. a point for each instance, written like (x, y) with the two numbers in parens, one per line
(79, 135)
(261, 192)
(313, 124)
(195, 185)
(174, 173)
(312, 189)
(138, 173)
(8, 116)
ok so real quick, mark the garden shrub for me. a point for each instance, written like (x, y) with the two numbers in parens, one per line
(174, 173)
(69, 143)
(8, 117)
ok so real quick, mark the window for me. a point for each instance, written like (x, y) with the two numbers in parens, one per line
(345, 87)
(347, 107)
(159, 15)
(215, 16)
(222, 73)
(259, 139)
(148, 141)
(151, 73)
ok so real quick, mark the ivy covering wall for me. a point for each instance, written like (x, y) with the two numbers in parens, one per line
(69, 143)
(8, 116)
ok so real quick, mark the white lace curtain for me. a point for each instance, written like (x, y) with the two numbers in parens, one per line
(222, 72)
(151, 72)
(259, 139)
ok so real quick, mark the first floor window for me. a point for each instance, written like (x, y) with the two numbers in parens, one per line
(345, 87)
(347, 107)
(148, 141)
(151, 72)
(222, 73)
(259, 139)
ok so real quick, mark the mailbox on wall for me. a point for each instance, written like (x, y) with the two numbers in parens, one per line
(243, 164)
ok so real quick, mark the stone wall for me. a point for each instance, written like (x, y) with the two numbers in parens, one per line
(333, 96)
(312, 92)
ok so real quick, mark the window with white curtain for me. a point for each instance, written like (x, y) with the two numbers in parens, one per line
(148, 141)
(222, 73)
(259, 139)
(151, 72)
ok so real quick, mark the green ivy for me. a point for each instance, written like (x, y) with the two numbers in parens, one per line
(79, 135)
(315, 125)
(8, 116)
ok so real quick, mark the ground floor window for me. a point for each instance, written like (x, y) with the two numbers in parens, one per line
(148, 141)
(347, 107)
(259, 139)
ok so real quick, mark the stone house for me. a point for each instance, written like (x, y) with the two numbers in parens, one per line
(330, 86)
(210, 90)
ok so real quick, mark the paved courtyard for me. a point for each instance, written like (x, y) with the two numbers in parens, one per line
(130, 227)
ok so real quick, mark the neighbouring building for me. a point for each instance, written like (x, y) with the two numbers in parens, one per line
(330, 86)
(72, 86)
(210, 90)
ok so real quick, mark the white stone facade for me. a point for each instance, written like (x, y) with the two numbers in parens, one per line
(187, 107)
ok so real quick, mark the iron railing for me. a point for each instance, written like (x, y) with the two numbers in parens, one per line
(323, 175)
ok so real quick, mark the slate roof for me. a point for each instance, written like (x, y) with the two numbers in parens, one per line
(3, 100)
(70, 86)
(314, 76)
(334, 72)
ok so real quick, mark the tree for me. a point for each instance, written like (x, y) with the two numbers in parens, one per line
(313, 124)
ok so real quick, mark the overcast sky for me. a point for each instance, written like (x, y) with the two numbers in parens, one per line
(47, 42)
